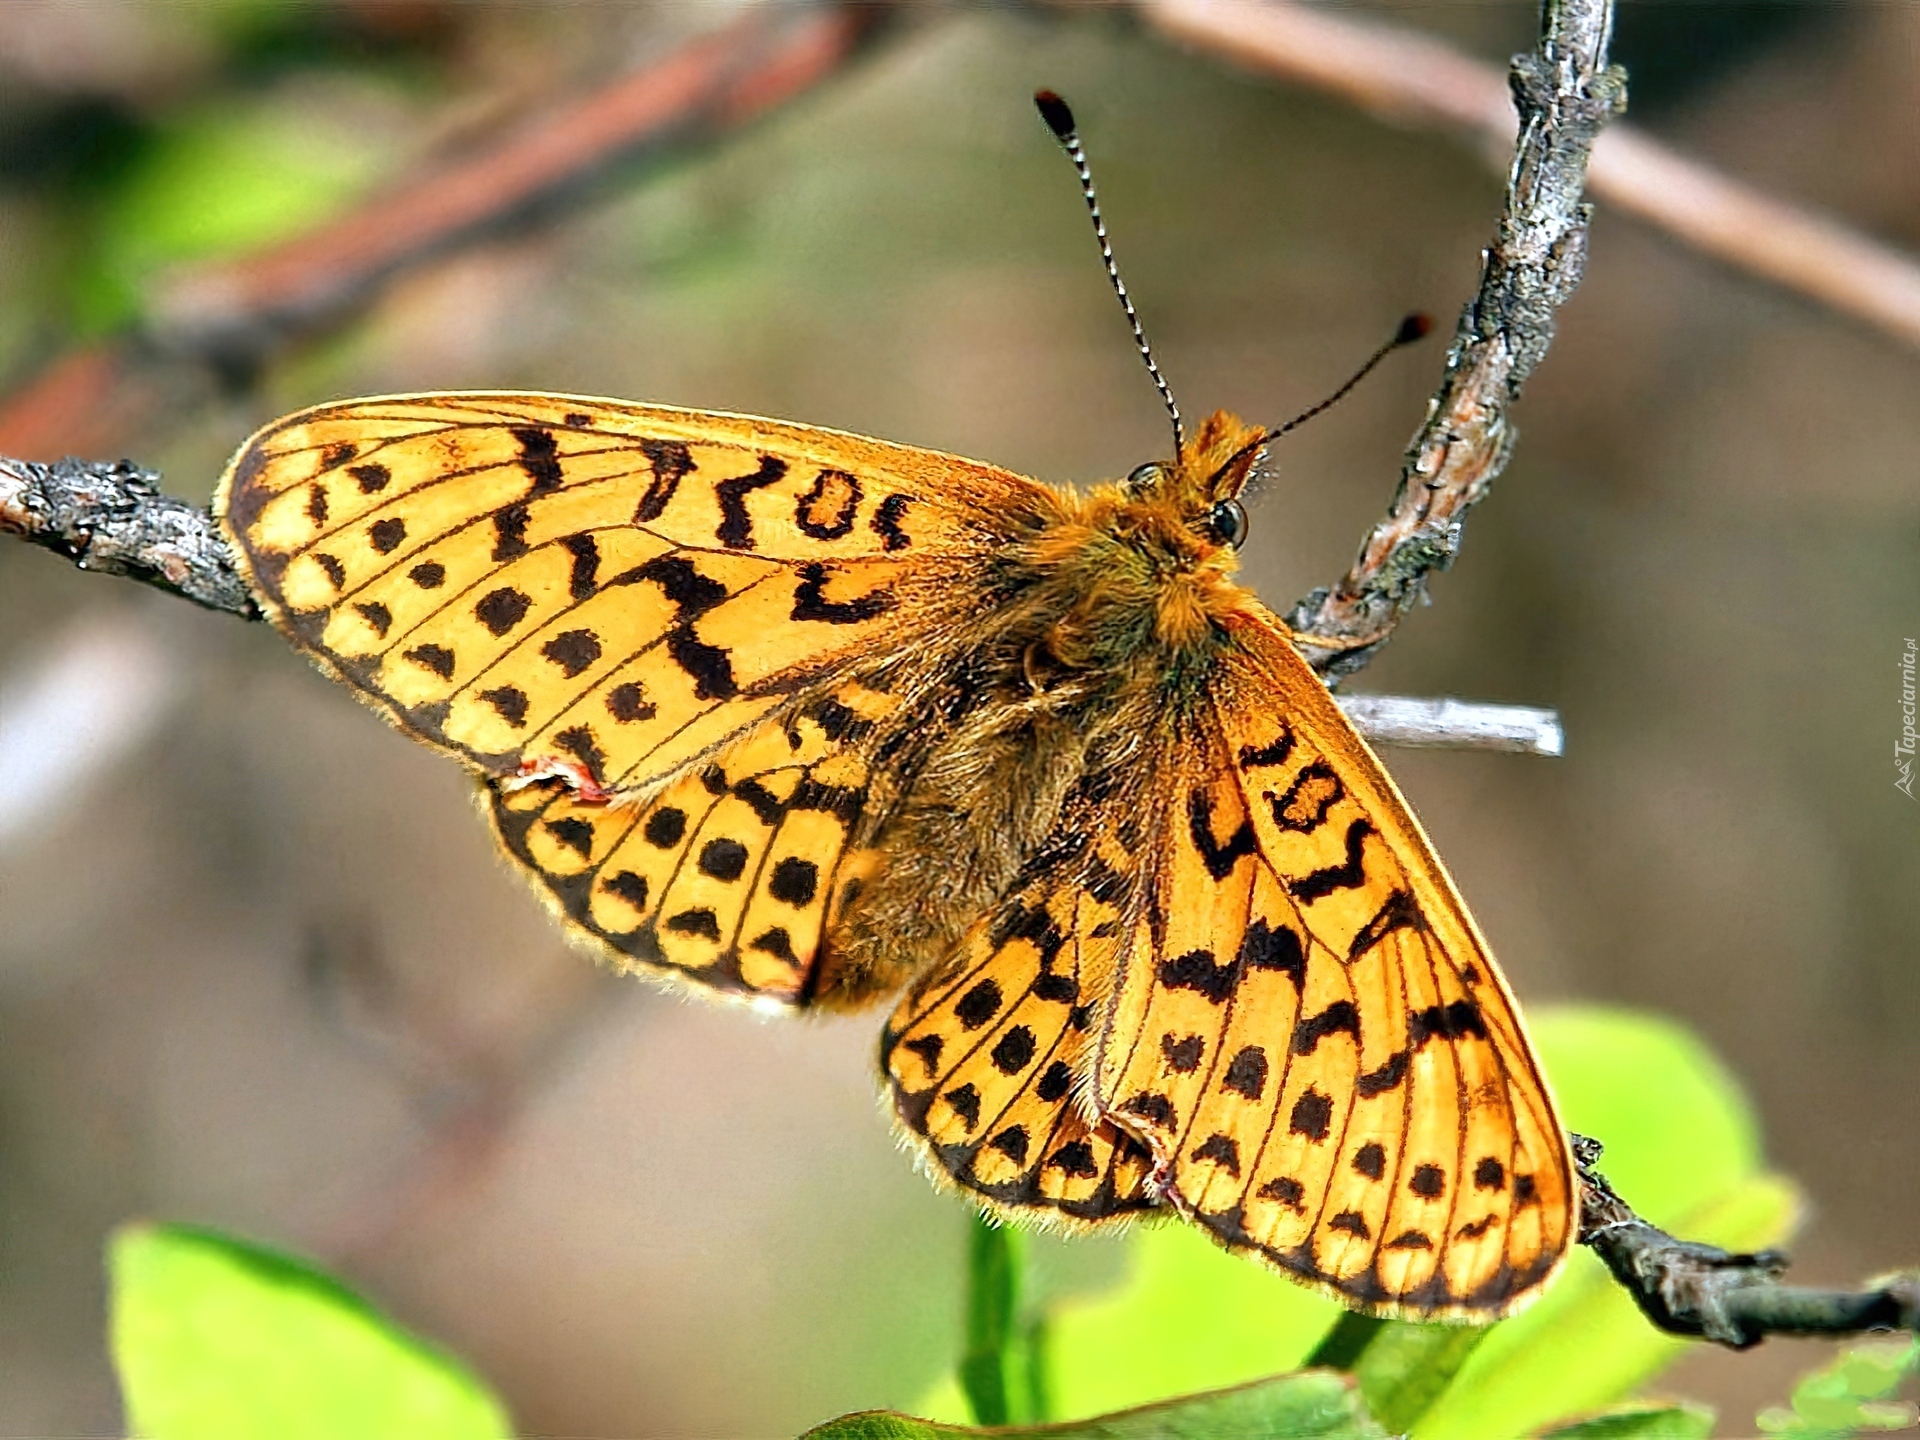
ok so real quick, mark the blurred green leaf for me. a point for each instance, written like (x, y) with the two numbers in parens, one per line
(1845, 1398)
(1314, 1403)
(214, 1339)
(1404, 1368)
(218, 180)
(1640, 1422)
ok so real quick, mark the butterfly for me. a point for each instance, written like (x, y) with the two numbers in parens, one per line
(813, 720)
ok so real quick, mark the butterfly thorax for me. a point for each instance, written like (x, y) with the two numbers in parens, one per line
(1131, 572)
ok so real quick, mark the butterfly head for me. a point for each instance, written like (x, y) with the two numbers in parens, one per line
(1203, 485)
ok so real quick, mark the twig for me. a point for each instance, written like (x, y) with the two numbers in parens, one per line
(229, 319)
(1733, 1300)
(1417, 80)
(1454, 724)
(1565, 92)
(112, 517)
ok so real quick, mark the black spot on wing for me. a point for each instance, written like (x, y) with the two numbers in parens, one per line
(509, 703)
(1429, 1182)
(886, 522)
(1457, 1020)
(1247, 1073)
(572, 650)
(510, 531)
(1274, 947)
(1223, 1150)
(1198, 971)
(500, 610)
(317, 504)
(1314, 791)
(670, 461)
(1055, 1082)
(794, 882)
(826, 511)
(810, 602)
(665, 827)
(1312, 1115)
(376, 615)
(428, 574)
(1397, 912)
(1390, 1073)
(539, 458)
(1182, 1056)
(581, 576)
(1341, 1015)
(387, 535)
(1219, 856)
(435, 658)
(578, 741)
(372, 478)
(1348, 875)
(1370, 1160)
(627, 702)
(928, 1048)
(1276, 753)
(576, 835)
(735, 530)
(979, 1005)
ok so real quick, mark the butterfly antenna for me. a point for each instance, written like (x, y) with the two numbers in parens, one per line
(1414, 327)
(1059, 119)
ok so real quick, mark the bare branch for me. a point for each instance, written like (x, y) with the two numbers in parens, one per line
(112, 518)
(1565, 92)
(1413, 79)
(228, 320)
(1453, 724)
(1732, 1300)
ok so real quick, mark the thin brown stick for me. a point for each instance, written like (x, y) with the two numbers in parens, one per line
(1565, 92)
(1732, 1300)
(228, 320)
(1416, 80)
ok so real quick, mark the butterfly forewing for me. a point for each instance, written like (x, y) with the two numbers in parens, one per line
(1318, 1046)
(525, 577)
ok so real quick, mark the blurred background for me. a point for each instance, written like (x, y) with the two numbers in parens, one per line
(259, 967)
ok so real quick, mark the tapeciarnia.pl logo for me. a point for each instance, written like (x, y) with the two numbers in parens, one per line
(1903, 747)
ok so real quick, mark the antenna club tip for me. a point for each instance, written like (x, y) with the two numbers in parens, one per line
(1416, 326)
(1055, 112)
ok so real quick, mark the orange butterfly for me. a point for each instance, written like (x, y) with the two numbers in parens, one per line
(808, 718)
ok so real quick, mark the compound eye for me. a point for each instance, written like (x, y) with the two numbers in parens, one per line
(1145, 475)
(1227, 523)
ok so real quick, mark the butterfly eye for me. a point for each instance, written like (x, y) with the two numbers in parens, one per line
(1227, 523)
(1145, 475)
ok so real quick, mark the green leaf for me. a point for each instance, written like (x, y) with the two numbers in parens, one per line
(215, 1339)
(1405, 1367)
(1312, 1405)
(1189, 1317)
(1683, 1148)
(1640, 1422)
(1841, 1400)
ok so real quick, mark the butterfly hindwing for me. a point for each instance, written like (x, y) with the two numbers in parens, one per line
(1315, 1042)
(989, 1057)
(733, 876)
(530, 578)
